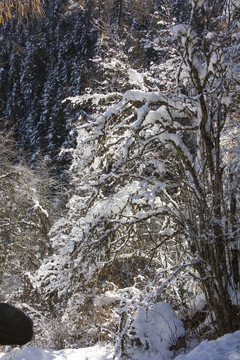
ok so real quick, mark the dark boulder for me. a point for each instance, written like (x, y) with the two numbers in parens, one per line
(16, 328)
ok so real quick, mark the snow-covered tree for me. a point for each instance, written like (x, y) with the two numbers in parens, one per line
(30, 201)
(43, 61)
(156, 185)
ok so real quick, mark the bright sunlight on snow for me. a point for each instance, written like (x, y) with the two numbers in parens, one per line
(225, 348)
(96, 352)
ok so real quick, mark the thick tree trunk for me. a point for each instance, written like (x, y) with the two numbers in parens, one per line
(219, 302)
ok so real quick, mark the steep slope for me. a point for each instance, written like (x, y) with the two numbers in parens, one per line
(41, 64)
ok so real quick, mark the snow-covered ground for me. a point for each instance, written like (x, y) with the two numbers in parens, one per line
(225, 348)
(96, 352)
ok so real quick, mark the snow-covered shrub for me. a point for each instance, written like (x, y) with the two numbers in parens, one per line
(153, 193)
(148, 329)
(156, 329)
(26, 214)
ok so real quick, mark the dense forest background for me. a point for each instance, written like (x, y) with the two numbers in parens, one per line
(120, 169)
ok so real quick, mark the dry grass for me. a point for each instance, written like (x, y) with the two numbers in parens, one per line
(20, 9)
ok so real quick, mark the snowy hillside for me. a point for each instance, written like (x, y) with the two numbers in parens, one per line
(119, 178)
(41, 63)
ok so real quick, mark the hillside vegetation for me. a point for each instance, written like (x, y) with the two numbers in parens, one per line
(120, 171)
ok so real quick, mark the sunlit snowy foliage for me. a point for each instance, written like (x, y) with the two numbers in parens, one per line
(152, 217)
(154, 210)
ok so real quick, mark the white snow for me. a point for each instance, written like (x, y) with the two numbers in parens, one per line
(157, 328)
(96, 352)
(226, 347)
(136, 78)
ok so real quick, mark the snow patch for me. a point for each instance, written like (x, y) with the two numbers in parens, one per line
(226, 347)
(97, 352)
(135, 78)
(157, 328)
